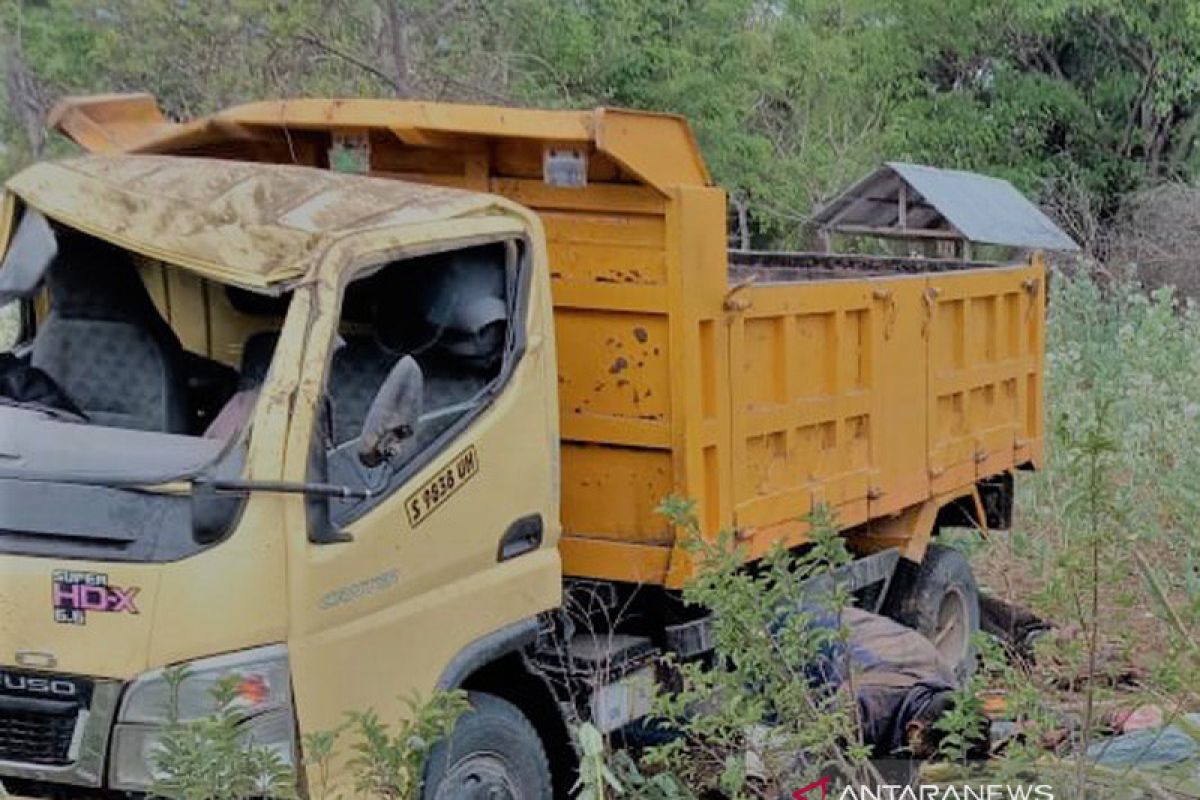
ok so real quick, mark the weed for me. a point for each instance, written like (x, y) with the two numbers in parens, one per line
(759, 718)
(388, 762)
(211, 758)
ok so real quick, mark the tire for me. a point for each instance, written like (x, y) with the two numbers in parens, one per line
(493, 753)
(940, 599)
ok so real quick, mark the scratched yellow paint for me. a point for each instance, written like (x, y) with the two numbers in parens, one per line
(882, 397)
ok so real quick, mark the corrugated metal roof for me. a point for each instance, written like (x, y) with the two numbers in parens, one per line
(978, 207)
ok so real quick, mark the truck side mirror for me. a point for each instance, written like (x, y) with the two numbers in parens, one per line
(392, 419)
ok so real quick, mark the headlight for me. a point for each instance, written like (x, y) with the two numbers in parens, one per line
(263, 695)
(263, 685)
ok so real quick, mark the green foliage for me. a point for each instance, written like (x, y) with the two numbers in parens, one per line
(787, 99)
(210, 758)
(389, 761)
(596, 778)
(1103, 544)
(754, 723)
(1123, 452)
(319, 751)
(791, 100)
(965, 723)
(606, 774)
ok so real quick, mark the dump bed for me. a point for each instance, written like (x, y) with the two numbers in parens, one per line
(758, 388)
(880, 389)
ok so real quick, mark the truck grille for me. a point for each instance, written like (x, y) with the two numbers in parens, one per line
(38, 716)
(36, 738)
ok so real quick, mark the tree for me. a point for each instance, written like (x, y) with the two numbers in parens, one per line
(1106, 90)
(791, 99)
(788, 98)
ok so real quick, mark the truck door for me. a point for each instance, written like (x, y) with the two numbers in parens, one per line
(457, 539)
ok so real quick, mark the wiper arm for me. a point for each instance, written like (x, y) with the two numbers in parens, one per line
(240, 486)
(216, 485)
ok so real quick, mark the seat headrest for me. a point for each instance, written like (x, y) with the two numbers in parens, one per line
(90, 279)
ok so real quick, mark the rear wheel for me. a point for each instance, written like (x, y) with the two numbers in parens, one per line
(494, 753)
(939, 598)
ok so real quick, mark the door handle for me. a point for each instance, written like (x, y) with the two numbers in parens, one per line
(523, 536)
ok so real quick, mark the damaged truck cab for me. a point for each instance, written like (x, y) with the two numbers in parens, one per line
(355, 400)
(178, 497)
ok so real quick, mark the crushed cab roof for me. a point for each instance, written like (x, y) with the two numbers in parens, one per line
(249, 224)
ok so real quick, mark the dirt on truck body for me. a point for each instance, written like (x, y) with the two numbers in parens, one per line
(356, 400)
(757, 385)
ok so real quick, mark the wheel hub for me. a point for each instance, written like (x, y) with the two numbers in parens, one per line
(950, 634)
(480, 776)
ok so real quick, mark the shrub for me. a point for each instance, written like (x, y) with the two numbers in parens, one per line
(1103, 544)
(210, 758)
(756, 720)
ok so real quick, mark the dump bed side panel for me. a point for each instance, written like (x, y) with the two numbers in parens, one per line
(803, 387)
(874, 396)
(638, 278)
(613, 330)
(985, 390)
(899, 438)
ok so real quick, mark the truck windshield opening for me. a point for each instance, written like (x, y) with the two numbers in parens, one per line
(126, 372)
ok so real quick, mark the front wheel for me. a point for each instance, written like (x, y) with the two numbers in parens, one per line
(494, 753)
(940, 599)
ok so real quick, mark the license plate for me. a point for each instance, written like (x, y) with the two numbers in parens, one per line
(437, 490)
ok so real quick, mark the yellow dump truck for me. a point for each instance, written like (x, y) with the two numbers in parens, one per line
(354, 399)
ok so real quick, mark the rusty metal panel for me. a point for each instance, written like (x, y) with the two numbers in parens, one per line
(610, 493)
(880, 395)
(658, 149)
(638, 296)
(249, 224)
(984, 208)
(909, 199)
(607, 252)
(898, 444)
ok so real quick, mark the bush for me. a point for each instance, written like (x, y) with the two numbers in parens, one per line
(1123, 450)
(209, 758)
(757, 720)
(1103, 544)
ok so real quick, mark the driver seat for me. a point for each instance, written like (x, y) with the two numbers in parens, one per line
(106, 345)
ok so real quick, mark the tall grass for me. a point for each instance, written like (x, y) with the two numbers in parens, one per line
(1105, 543)
(1123, 455)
